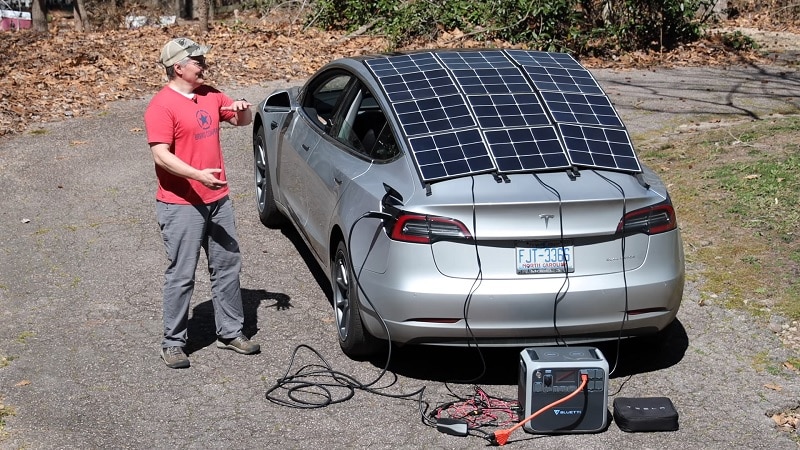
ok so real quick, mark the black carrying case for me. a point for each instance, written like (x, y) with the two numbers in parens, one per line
(645, 414)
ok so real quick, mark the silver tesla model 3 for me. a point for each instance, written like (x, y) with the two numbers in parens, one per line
(456, 197)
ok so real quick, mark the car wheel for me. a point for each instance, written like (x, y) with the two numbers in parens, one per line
(265, 199)
(355, 340)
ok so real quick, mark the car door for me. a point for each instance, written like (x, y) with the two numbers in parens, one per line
(312, 121)
(299, 140)
(339, 158)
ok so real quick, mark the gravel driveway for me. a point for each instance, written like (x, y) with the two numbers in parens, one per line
(80, 309)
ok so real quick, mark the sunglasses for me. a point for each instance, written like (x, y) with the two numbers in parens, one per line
(200, 61)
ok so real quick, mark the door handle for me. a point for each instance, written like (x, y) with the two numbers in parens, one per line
(337, 180)
(273, 125)
(305, 147)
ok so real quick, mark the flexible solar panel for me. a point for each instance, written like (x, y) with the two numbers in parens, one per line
(485, 73)
(603, 148)
(447, 155)
(557, 72)
(433, 115)
(521, 149)
(419, 85)
(487, 59)
(401, 64)
(515, 126)
(499, 111)
(467, 112)
(582, 109)
(432, 106)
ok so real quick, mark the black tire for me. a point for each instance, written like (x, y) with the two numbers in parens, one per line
(265, 199)
(355, 340)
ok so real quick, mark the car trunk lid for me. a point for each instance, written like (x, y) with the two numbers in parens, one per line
(532, 225)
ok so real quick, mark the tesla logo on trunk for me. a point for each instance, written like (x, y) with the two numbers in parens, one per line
(546, 218)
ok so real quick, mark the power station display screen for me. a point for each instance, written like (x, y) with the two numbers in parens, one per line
(569, 376)
(557, 377)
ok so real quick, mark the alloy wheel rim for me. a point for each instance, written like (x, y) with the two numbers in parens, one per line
(341, 296)
(261, 175)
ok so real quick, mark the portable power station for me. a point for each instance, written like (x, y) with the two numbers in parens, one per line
(548, 374)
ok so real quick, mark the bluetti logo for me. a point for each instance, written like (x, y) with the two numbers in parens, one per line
(567, 412)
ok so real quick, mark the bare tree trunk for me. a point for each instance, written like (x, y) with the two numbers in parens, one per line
(39, 15)
(79, 15)
(177, 9)
(203, 14)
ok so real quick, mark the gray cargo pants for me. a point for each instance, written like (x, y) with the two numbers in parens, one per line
(185, 230)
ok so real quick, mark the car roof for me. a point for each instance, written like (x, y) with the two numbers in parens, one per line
(502, 111)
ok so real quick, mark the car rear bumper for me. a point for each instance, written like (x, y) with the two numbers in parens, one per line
(425, 307)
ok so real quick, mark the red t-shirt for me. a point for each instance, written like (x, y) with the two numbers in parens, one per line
(191, 128)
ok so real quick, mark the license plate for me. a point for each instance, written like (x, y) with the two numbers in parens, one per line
(545, 259)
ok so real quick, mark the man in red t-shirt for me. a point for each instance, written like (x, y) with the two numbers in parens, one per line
(192, 204)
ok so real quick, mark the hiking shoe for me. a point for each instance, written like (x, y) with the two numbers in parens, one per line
(239, 344)
(174, 357)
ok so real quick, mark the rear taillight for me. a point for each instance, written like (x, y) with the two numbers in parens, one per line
(427, 229)
(651, 220)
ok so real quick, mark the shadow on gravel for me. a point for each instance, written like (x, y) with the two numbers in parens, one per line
(202, 329)
(648, 354)
(488, 366)
(499, 366)
(308, 258)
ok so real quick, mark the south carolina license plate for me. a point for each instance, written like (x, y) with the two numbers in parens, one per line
(545, 259)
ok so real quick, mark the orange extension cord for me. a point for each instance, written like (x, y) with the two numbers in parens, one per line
(501, 436)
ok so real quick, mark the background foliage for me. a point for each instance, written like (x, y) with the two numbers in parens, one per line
(583, 27)
(578, 26)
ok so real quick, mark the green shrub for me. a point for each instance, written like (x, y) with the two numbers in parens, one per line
(579, 26)
(738, 41)
(654, 24)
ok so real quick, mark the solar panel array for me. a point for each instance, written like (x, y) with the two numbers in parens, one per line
(505, 111)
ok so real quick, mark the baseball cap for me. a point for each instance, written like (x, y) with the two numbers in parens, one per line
(180, 48)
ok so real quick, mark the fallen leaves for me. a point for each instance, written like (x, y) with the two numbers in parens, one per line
(70, 74)
(787, 421)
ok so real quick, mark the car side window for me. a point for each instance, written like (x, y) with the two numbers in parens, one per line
(320, 104)
(365, 129)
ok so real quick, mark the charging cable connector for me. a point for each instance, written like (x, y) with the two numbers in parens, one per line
(453, 427)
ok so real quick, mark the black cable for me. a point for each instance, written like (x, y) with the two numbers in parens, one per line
(471, 338)
(562, 292)
(430, 419)
(619, 388)
(476, 282)
(313, 385)
(370, 214)
(624, 269)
